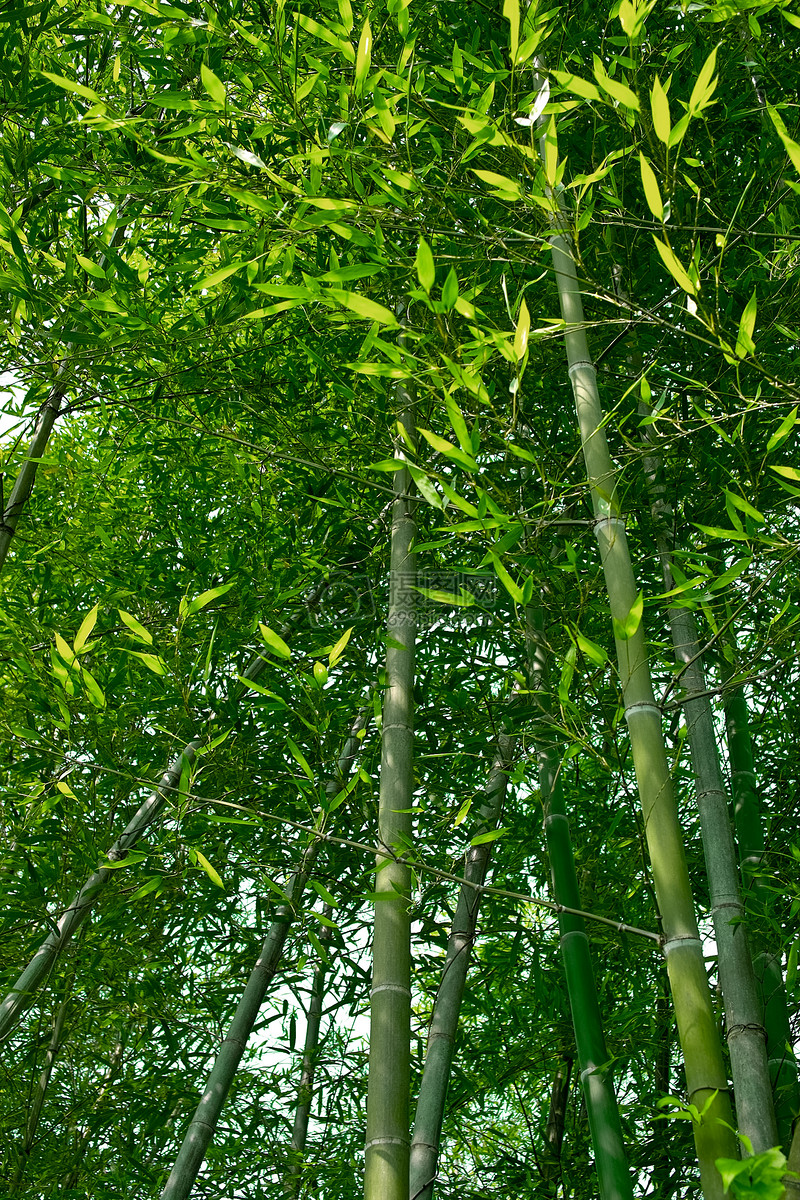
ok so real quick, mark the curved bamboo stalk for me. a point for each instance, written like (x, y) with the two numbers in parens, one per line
(24, 990)
(204, 1122)
(444, 1018)
(706, 1080)
(387, 1135)
(598, 1088)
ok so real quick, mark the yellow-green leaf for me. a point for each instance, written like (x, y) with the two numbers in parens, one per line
(361, 306)
(792, 148)
(551, 151)
(300, 758)
(782, 432)
(507, 189)
(274, 642)
(522, 330)
(338, 650)
(213, 85)
(659, 107)
(744, 341)
(616, 90)
(511, 14)
(651, 193)
(64, 650)
(574, 83)
(787, 472)
(87, 625)
(674, 267)
(626, 628)
(213, 875)
(71, 85)
(152, 661)
(190, 607)
(363, 58)
(138, 630)
(426, 270)
(449, 450)
(91, 268)
(705, 86)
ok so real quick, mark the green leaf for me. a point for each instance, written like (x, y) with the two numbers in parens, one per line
(626, 628)
(209, 281)
(674, 267)
(71, 85)
(744, 341)
(450, 289)
(130, 860)
(779, 436)
(275, 642)
(505, 188)
(213, 875)
(87, 625)
(136, 628)
(213, 85)
(522, 330)
(363, 59)
(323, 893)
(593, 652)
(426, 269)
(338, 650)
(574, 83)
(792, 148)
(189, 607)
(651, 193)
(152, 661)
(511, 14)
(449, 450)
(705, 86)
(299, 757)
(91, 268)
(616, 90)
(361, 306)
(152, 885)
(64, 650)
(513, 589)
(659, 107)
(483, 838)
(459, 424)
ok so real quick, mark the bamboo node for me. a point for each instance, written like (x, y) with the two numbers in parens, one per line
(386, 1141)
(391, 987)
(643, 706)
(674, 943)
(579, 365)
(752, 1028)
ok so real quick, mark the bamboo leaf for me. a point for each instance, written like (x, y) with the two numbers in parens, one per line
(138, 630)
(363, 59)
(362, 306)
(426, 270)
(87, 625)
(651, 192)
(616, 90)
(782, 432)
(212, 874)
(483, 838)
(152, 885)
(153, 662)
(275, 642)
(626, 628)
(744, 341)
(574, 83)
(213, 85)
(511, 14)
(64, 650)
(71, 85)
(449, 450)
(450, 289)
(300, 758)
(323, 893)
(674, 267)
(705, 86)
(502, 186)
(522, 330)
(513, 589)
(338, 650)
(209, 281)
(792, 148)
(659, 107)
(189, 608)
(458, 423)
(551, 151)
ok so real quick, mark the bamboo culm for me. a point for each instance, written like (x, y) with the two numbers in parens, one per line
(706, 1080)
(204, 1122)
(744, 1015)
(387, 1134)
(444, 1018)
(751, 846)
(601, 1103)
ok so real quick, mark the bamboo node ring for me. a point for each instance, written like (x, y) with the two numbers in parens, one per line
(579, 365)
(642, 706)
(391, 987)
(673, 943)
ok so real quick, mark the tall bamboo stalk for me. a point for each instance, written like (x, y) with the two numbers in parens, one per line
(444, 1018)
(305, 1090)
(751, 845)
(706, 1080)
(598, 1088)
(204, 1122)
(744, 1014)
(32, 1121)
(556, 1121)
(387, 1135)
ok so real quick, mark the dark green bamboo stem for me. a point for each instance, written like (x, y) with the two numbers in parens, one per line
(705, 1072)
(204, 1122)
(35, 1112)
(447, 1006)
(387, 1135)
(744, 1013)
(598, 1088)
(751, 845)
(556, 1123)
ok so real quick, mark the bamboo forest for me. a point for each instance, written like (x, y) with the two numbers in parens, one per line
(400, 599)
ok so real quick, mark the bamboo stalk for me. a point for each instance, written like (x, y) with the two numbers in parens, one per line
(23, 993)
(706, 1080)
(744, 1013)
(444, 1018)
(556, 1121)
(751, 845)
(32, 1122)
(204, 1122)
(305, 1090)
(598, 1088)
(387, 1135)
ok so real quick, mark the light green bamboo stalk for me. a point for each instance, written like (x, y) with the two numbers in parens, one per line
(705, 1073)
(387, 1135)
(751, 845)
(24, 990)
(204, 1122)
(444, 1018)
(305, 1090)
(32, 1121)
(744, 1015)
(598, 1088)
